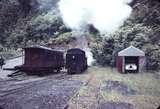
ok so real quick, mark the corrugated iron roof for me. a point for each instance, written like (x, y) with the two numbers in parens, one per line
(131, 51)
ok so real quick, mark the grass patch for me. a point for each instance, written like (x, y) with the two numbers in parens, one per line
(143, 83)
(146, 85)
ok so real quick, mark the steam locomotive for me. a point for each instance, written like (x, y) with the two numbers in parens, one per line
(39, 59)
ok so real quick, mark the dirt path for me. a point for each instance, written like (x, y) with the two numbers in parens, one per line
(88, 96)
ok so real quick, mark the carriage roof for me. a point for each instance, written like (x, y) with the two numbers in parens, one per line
(43, 48)
(75, 51)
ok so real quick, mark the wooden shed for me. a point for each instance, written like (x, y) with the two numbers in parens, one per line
(131, 60)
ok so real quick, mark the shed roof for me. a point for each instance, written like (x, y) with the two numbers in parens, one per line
(131, 51)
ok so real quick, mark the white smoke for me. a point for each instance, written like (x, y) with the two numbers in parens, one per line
(83, 44)
(89, 55)
(104, 15)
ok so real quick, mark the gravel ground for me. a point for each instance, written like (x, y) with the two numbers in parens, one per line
(50, 94)
(29, 92)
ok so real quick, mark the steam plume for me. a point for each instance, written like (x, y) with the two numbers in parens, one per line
(104, 15)
(83, 44)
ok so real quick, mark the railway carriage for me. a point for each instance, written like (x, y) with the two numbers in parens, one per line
(41, 59)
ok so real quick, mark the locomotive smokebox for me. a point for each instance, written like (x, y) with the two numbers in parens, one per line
(76, 61)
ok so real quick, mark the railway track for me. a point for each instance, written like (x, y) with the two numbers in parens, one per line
(98, 96)
(33, 84)
(76, 95)
(89, 80)
(93, 101)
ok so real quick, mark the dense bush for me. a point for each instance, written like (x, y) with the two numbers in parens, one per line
(65, 38)
(28, 22)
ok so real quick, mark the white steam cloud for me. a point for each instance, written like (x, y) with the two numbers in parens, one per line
(104, 15)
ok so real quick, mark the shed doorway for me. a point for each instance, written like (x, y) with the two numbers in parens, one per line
(131, 64)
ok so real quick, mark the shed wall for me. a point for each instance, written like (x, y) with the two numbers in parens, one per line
(142, 64)
(123, 64)
(119, 63)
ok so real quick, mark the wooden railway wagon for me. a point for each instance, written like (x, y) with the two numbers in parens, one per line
(41, 59)
(76, 61)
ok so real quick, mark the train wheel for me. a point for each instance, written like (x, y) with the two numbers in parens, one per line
(58, 70)
(79, 70)
(70, 71)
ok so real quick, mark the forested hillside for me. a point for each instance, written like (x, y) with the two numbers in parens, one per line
(24, 22)
(142, 30)
(27, 22)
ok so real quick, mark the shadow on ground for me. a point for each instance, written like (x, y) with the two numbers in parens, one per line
(116, 105)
